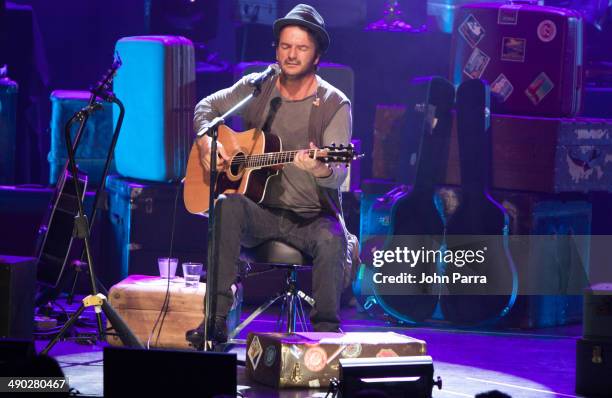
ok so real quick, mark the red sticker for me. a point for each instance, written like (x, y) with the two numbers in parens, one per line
(315, 359)
(386, 353)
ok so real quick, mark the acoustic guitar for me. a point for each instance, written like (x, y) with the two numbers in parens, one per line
(254, 158)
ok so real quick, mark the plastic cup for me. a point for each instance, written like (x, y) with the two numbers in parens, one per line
(191, 273)
(167, 267)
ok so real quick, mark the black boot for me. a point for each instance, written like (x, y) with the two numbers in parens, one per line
(196, 336)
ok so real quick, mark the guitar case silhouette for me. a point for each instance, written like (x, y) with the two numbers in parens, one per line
(416, 219)
(479, 223)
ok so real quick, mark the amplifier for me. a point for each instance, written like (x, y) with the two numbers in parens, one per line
(17, 284)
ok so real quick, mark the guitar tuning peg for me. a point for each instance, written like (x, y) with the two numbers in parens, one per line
(341, 146)
(333, 145)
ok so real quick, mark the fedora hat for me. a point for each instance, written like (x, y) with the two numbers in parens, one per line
(307, 17)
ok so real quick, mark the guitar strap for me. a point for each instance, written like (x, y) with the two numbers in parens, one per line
(275, 104)
(253, 113)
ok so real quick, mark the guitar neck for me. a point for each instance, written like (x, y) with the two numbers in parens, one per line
(273, 158)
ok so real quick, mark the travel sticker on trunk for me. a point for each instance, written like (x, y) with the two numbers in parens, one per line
(502, 88)
(315, 359)
(539, 88)
(270, 356)
(508, 14)
(547, 31)
(255, 352)
(386, 353)
(471, 30)
(513, 49)
(476, 64)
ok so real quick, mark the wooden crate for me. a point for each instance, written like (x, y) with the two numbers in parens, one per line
(139, 300)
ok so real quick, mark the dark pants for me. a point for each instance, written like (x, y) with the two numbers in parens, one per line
(241, 221)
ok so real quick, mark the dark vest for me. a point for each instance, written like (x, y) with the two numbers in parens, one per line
(329, 102)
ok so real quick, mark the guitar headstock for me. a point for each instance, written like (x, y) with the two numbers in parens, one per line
(338, 154)
(103, 87)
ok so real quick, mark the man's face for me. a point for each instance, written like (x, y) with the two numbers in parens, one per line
(296, 52)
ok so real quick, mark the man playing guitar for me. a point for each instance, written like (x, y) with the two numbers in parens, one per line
(301, 205)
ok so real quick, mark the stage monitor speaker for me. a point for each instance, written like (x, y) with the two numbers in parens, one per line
(12, 350)
(17, 290)
(14, 354)
(593, 367)
(394, 377)
(130, 372)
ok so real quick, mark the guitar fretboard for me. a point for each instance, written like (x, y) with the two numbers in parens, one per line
(269, 159)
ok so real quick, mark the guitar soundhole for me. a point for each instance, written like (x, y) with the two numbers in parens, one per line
(238, 164)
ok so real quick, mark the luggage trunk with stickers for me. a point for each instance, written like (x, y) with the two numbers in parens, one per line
(312, 359)
(546, 155)
(531, 55)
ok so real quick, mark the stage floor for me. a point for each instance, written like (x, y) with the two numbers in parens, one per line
(533, 363)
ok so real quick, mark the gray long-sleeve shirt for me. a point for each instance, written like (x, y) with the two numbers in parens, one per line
(293, 189)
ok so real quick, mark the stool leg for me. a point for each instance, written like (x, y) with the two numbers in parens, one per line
(281, 314)
(292, 304)
(291, 313)
(254, 315)
(302, 315)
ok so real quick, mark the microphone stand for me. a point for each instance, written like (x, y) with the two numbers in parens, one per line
(212, 130)
(82, 227)
(100, 90)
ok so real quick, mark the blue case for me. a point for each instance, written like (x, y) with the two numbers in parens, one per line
(142, 215)
(157, 86)
(8, 129)
(95, 141)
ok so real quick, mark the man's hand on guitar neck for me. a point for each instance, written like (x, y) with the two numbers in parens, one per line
(204, 148)
(315, 167)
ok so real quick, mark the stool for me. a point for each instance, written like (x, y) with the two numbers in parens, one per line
(277, 254)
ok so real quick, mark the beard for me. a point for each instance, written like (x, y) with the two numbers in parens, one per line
(299, 70)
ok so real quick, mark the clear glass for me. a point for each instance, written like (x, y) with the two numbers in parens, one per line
(191, 273)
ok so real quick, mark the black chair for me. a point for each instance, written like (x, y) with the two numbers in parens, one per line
(277, 254)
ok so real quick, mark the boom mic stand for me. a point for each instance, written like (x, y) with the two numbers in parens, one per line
(212, 130)
(82, 227)
(102, 90)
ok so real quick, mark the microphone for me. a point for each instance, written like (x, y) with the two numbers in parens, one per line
(271, 71)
